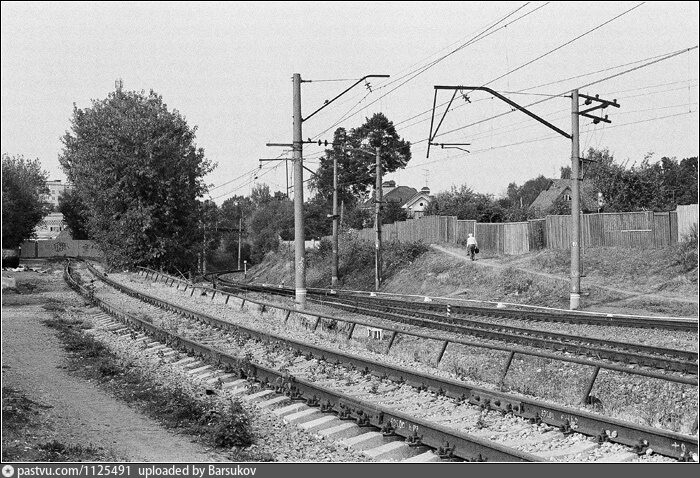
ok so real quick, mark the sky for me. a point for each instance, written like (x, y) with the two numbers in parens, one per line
(227, 68)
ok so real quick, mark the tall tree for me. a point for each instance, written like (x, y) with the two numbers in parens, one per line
(74, 214)
(355, 154)
(137, 169)
(23, 207)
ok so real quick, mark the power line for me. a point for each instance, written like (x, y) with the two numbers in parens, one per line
(526, 89)
(665, 57)
(484, 34)
(563, 45)
(546, 138)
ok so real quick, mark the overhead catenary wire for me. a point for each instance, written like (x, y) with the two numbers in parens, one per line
(665, 57)
(480, 36)
(562, 80)
(543, 138)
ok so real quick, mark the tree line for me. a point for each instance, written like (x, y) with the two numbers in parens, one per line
(138, 188)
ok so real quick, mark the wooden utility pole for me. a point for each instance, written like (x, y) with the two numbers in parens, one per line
(378, 223)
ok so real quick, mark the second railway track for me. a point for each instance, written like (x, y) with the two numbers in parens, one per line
(663, 358)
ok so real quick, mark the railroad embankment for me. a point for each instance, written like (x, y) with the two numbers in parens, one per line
(647, 282)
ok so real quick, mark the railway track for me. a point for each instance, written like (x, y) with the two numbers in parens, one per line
(665, 442)
(674, 360)
(442, 306)
(448, 444)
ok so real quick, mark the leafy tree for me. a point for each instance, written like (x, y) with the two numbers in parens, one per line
(660, 185)
(270, 221)
(74, 214)
(466, 204)
(317, 224)
(232, 210)
(392, 212)
(136, 168)
(23, 208)
(260, 195)
(523, 196)
(358, 218)
(209, 227)
(355, 155)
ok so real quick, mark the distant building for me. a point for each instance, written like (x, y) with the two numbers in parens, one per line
(56, 189)
(416, 205)
(53, 223)
(51, 227)
(409, 198)
(561, 188)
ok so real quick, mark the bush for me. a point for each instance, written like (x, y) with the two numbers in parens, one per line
(232, 428)
(10, 261)
(515, 281)
(686, 254)
(356, 261)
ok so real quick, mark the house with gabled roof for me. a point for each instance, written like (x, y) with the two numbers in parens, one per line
(418, 203)
(561, 188)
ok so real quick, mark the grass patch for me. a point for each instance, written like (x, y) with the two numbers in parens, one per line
(171, 404)
(24, 426)
(54, 451)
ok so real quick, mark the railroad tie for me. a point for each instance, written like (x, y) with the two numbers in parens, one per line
(396, 450)
(274, 401)
(303, 415)
(427, 457)
(366, 441)
(326, 421)
(343, 430)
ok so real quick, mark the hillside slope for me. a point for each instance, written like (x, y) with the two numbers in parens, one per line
(616, 280)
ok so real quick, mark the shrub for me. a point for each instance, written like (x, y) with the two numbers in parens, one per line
(515, 281)
(686, 254)
(231, 428)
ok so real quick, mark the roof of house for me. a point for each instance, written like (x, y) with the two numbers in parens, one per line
(399, 194)
(546, 198)
(417, 197)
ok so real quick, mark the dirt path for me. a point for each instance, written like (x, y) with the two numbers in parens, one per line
(632, 295)
(33, 361)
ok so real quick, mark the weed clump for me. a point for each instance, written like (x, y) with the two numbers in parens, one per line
(356, 261)
(172, 404)
(686, 253)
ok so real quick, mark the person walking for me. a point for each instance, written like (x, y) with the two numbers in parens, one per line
(472, 245)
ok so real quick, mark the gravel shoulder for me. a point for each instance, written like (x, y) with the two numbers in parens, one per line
(34, 362)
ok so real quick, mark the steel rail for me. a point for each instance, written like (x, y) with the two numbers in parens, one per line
(626, 352)
(449, 442)
(665, 442)
(658, 357)
(440, 305)
(597, 364)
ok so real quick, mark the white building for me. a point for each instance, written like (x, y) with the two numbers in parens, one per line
(56, 188)
(417, 204)
(51, 227)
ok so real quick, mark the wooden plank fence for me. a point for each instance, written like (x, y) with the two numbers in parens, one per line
(687, 216)
(643, 230)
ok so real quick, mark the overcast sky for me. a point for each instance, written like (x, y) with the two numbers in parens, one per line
(227, 68)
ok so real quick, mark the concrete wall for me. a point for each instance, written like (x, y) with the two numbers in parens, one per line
(60, 248)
